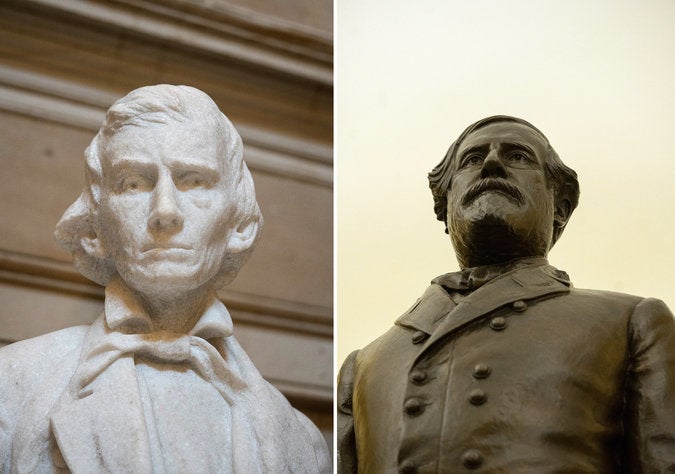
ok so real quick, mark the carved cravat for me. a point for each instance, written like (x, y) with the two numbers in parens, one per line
(167, 392)
(161, 347)
(101, 416)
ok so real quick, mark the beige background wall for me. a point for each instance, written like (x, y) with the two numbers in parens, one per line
(63, 62)
(597, 77)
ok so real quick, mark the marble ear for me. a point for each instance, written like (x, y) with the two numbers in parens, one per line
(93, 246)
(243, 236)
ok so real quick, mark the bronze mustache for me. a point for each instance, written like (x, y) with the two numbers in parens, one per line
(493, 184)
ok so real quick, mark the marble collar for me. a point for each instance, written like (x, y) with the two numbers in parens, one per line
(124, 313)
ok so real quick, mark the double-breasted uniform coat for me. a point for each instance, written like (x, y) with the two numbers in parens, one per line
(525, 374)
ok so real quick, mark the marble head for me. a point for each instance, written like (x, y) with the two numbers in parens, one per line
(169, 203)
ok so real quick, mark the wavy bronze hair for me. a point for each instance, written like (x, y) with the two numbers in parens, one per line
(561, 178)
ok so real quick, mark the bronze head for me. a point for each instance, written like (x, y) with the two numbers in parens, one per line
(503, 192)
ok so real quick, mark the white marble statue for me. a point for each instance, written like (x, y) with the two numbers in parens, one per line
(157, 383)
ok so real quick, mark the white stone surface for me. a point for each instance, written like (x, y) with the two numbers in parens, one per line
(157, 383)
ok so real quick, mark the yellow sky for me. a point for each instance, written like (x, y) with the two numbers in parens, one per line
(596, 77)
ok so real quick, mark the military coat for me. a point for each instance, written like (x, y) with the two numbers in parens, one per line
(526, 374)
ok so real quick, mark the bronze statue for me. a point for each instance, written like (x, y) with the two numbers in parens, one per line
(504, 366)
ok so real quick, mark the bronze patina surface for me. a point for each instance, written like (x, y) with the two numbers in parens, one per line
(504, 366)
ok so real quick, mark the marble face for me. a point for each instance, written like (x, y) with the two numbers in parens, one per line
(165, 205)
(499, 182)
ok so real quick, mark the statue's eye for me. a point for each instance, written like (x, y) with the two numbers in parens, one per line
(472, 159)
(517, 157)
(191, 180)
(134, 184)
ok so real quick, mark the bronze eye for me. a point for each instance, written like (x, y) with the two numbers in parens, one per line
(473, 159)
(518, 157)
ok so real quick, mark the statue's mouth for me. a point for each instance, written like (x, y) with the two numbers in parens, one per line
(491, 184)
(164, 246)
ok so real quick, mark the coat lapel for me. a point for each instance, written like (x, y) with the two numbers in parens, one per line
(522, 284)
(103, 429)
(424, 315)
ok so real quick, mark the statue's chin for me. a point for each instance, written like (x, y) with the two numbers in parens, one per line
(490, 239)
(166, 279)
(495, 228)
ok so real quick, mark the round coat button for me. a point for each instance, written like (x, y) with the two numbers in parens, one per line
(407, 467)
(519, 306)
(418, 337)
(413, 406)
(481, 371)
(472, 458)
(477, 397)
(498, 323)
(418, 377)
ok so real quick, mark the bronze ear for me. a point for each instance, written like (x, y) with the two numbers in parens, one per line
(563, 211)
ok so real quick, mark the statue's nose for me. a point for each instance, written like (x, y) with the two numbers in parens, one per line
(493, 166)
(165, 213)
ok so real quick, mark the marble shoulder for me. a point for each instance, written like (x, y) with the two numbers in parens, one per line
(23, 359)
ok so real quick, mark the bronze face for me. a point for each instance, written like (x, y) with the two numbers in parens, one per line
(500, 205)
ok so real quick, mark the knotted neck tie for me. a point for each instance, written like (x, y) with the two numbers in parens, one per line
(267, 435)
(164, 347)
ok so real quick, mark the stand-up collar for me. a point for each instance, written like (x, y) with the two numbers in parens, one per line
(521, 280)
(471, 279)
(124, 313)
